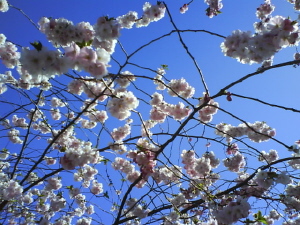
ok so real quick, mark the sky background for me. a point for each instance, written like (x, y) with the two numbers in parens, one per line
(277, 86)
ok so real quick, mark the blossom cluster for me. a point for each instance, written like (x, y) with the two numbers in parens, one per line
(76, 152)
(214, 7)
(264, 9)
(271, 35)
(91, 87)
(233, 211)
(120, 133)
(92, 61)
(122, 103)
(3, 6)
(6, 78)
(126, 167)
(180, 87)
(144, 157)
(235, 163)
(86, 174)
(266, 179)
(269, 157)
(292, 198)
(8, 52)
(135, 209)
(296, 4)
(62, 32)
(162, 109)
(167, 175)
(201, 167)
(151, 13)
(256, 132)
(39, 65)
(125, 79)
(10, 189)
(207, 112)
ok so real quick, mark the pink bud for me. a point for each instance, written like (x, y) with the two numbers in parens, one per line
(229, 97)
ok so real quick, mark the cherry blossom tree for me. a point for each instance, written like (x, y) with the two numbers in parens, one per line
(91, 134)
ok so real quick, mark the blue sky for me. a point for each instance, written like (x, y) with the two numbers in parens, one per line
(277, 86)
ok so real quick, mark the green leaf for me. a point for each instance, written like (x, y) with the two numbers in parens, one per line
(106, 195)
(37, 45)
(259, 218)
(84, 43)
(164, 66)
(105, 161)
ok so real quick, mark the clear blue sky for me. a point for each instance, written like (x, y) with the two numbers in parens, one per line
(280, 86)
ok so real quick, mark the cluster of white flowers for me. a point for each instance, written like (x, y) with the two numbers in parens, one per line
(35, 114)
(122, 103)
(84, 221)
(19, 122)
(264, 9)
(9, 189)
(167, 175)
(8, 52)
(6, 78)
(206, 113)
(272, 217)
(146, 126)
(271, 35)
(42, 126)
(214, 7)
(296, 4)
(256, 132)
(268, 157)
(91, 87)
(249, 189)
(158, 79)
(135, 209)
(85, 173)
(295, 163)
(151, 13)
(292, 197)
(161, 109)
(118, 147)
(128, 20)
(118, 134)
(42, 64)
(56, 102)
(92, 61)
(57, 203)
(54, 183)
(126, 167)
(178, 201)
(50, 160)
(62, 32)
(201, 167)
(293, 190)
(172, 219)
(55, 114)
(125, 79)
(107, 28)
(144, 157)
(3, 6)
(184, 8)
(77, 152)
(13, 136)
(180, 87)
(79, 156)
(235, 163)
(97, 188)
(232, 212)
